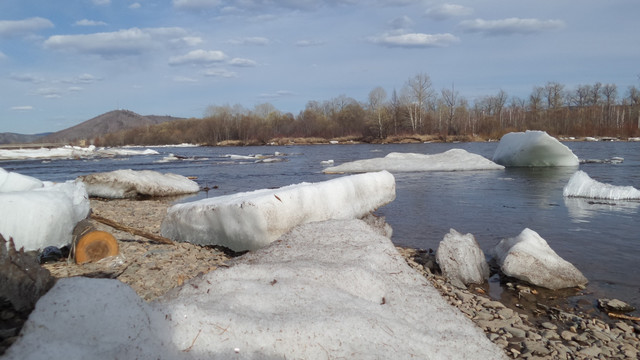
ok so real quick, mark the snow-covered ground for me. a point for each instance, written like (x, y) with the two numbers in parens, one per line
(251, 220)
(452, 160)
(533, 148)
(128, 183)
(334, 289)
(37, 214)
(581, 185)
(70, 152)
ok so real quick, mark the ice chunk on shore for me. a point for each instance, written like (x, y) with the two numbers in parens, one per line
(69, 152)
(461, 259)
(251, 220)
(11, 181)
(129, 183)
(333, 289)
(533, 148)
(528, 257)
(451, 160)
(44, 216)
(581, 185)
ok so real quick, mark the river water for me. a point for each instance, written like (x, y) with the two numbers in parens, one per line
(601, 238)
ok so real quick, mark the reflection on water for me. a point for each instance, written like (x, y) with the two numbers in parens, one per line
(580, 209)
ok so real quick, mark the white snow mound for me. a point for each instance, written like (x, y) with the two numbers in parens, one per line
(461, 259)
(533, 148)
(251, 220)
(528, 257)
(11, 181)
(581, 185)
(451, 160)
(131, 183)
(44, 216)
(333, 289)
(69, 152)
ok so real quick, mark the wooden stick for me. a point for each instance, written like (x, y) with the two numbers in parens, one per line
(624, 317)
(134, 231)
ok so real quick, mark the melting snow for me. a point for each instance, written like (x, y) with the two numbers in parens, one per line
(533, 148)
(581, 185)
(130, 183)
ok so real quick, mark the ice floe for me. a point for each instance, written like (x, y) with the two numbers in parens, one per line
(461, 259)
(12, 181)
(129, 183)
(529, 257)
(451, 160)
(43, 216)
(581, 185)
(251, 220)
(533, 148)
(333, 289)
(70, 152)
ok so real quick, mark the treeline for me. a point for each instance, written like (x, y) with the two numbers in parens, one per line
(417, 109)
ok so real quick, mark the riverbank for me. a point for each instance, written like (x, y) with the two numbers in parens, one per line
(526, 323)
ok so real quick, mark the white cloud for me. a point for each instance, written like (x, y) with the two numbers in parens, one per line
(135, 5)
(401, 22)
(195, 4)
(2, 55)
(87, 79)
(183, 79)
(277, 94)
(447, 11)
(27, 78)
(255, 40)
(198, 57)
(416, 40)
(188, 40)
(50, 92)
(10, 28)
(242, 62)
(131, 41)
(510, 26)
(220, 73)
(308, 43)
(22, 108)
(101, 2)
(74, 89)
(86, 22)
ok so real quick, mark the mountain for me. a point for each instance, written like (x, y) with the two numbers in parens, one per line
(112, 121)
(13, 138)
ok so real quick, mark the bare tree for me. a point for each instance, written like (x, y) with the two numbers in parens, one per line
(450, 100)
(377, 98)
(419, 92)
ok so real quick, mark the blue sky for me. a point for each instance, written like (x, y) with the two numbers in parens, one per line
(64, 62)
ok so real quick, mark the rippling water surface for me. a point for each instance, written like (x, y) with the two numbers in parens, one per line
(600, 237)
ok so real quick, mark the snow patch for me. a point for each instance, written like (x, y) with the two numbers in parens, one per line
(451, 160)
(130, 183)
(251, 220)
(11, 181)
(533, 148)
(69, 152)
(581, 185)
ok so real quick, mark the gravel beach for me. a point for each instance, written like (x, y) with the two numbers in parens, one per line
(527, 322)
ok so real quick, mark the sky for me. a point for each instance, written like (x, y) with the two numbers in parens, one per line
(65, 62)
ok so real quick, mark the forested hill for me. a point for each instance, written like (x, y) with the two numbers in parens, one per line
(110, 122)
(13, 138)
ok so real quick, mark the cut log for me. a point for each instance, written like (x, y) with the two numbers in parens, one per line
(91, 245)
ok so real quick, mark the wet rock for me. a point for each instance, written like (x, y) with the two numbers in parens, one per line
(615, 305)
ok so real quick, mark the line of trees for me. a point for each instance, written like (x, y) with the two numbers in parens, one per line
(417, 109)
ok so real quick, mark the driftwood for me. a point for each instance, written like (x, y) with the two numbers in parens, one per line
(623, 316)
(134, 231)
(91, 245)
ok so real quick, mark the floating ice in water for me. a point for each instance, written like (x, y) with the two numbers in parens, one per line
(130, 183)
(326, 162)
(333, 289)
(461, 259)
(69, 152)
(613, 160)
(11, 181)
(533, 148)
(528, 257)
(44, 216)
(452, 160)
(251, 220)
(581, 185)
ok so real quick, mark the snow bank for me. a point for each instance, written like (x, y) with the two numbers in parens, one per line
(581, 185)
(11, 181)
(251, 220)
(461, 259)
(69, 152)
(452, 160)
(528, 257)
(44, 216)
(130, 183)
(533, 148)
(333, 289)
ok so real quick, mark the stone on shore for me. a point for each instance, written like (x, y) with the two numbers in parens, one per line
(461, 260)
(528, 257)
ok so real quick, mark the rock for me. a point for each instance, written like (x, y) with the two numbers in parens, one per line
(615, 305)
(519, 333)
(528, 257)
(461, 259)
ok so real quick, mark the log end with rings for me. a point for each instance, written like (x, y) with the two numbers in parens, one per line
(91, 245)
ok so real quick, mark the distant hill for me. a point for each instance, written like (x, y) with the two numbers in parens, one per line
(13, 138)
(112, 121)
